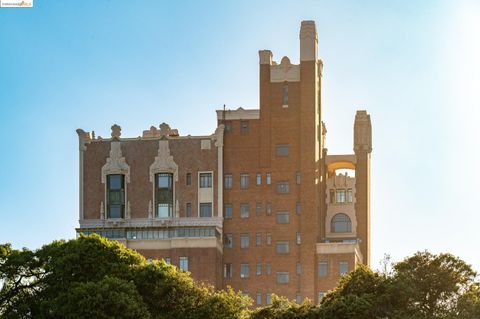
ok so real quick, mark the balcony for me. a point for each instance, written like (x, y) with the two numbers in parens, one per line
(152, 222)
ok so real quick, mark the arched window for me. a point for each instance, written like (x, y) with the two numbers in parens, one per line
(341, 223)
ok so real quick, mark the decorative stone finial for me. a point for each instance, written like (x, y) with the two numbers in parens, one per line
(265, 56)
(362, 132)
(116, 131)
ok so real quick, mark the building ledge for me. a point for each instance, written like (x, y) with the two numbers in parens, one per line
(152, 222)
(340, 248)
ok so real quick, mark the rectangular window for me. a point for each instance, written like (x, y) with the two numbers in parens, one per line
(268, 268)
(244, 240)
(244, 127)
(228, 181)
(340, 196)
(298, 268)
(244, 270)
(268, 298)
(164, 195)
(205, 180)
(228, 126)
(188, 210)
(332, 196)
(259, 179)
(349, 195)
(283, 247)
(259, 298)
(258, 239)
(282, 277)
(227, 271)
(269, 239)
(285, 95)
(268, 178)
(227, 240)
(322, 269)
(244, 181)
(283, 218)
(281, 150)
(282, 187)
(298, 208)
(298, 178)
(269, 208)
(189, 179)
(343, 267)
(298, 298)
(244, 210)
(259, 269)
(299, 238)
(115, 196)
(183, 265)
(205, 209)
(258, 208)
(228, 211)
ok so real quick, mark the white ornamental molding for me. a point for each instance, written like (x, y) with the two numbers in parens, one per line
(157, 223)
(116, 163)
(164, 162)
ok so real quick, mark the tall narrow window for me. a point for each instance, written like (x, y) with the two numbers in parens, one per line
(115, 196)
(332, 196)
(258, 239)
(259, 269)
(228, 211)
(268, 268)
(298, 268)
(244, 210)
(299, 238)
(268, 298)
(228, 181)
(322, 269)
(244, 181)
(227, 270)
(205, 209)
(269, 239)
(188, 209)
(183, 263)
(259, 298)
(268, 178)
(244, 270)
(298, 177)
(340, 196)
(343, 267)
(259, 179)
(298, 208)
(258, 208)
(349, 195)
(244, 127)
(228, 240)
(205, 180)
(285, 95)
(164, 195)
(189, 179)
(269, 208)
(298, 298)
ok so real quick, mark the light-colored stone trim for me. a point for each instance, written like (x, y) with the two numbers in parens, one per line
(239, 114)
(308, 41)
(285, 71)
(265, 56)
(339, 248)
(219, 144)
(205, 195)
(84, 138)
(171, 243)
(152, 222)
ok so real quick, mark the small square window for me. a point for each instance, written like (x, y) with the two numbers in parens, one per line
(283, 218)
(205, 209)
(283, 247)
(168, 261)
(244, 127)
(340, 196)
(244, 210)
(244, 181)
(228, 181)
(282, 187)
(205, 180)
(282, 150)
(228, 211)
(282, 277)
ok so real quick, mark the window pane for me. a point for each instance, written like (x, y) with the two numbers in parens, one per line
(282, 187)
(244, 127)
(115, 196)
(282, 277)
(285, 94)
(115, 181)
(259, 298)
(341, 223)
(269, 178)
(349, 195)
(227, 270)
(258, 208)
(189, 179)
(340, 196)
(228, 240)
(268, 268)
(259, 269)
(188, 212)
(205, 209)
(228, 211)
(205, 180)
(269, 239)
(258, 240)
(323, 269)
(244, 240)
(343, 267)
(228, 181)
(283, 218)
(244, 210)
(283, 247)
(183, 263)
(244, 270)
(259, 179)
(282, 149)
(244, 181)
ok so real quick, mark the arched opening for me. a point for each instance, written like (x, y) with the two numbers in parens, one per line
(341, 223)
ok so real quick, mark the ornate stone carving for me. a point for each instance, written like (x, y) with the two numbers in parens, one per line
(218, 135)
(84, 138)
(116, 132)
(265, 56)
(163, 162)
(164, 130)
(116, 163)
(285, 71)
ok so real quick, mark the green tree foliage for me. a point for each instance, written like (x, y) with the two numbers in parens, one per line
(282, 308)
(92, 277)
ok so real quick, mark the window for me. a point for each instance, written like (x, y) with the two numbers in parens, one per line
(228, 211)
(298, 208)
(244, 181)
(349, 195)
(282, 150)
(282, 277)
(283, 218)
(299, 238)
(268, 268)
(343, 267)
(268, 178)
(244, 210)
(244, 240)
(228, 181)
(228, 126)
(298, 298)
(298, 268)
(332, 196)
(258, 239)
(205, 209)
(164, 195)
(205, 180)
(285, 95)
(282, 187)
(244, 127)
(183, 265)
(227, 271)
(322, 269)
(340, 196)
(259, 179)
(341, 224)
(268, 298)
(269, 208)
(189, 179)
(168, 261)
(188, 210)
(259, 298)
(115, 196)
(269, 239)
(228, 240)
(258, 208)
(259, 269)
(298, 178)
(283, 247)
(321, 295)
(244, 270)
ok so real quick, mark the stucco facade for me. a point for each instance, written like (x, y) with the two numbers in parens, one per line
(259, 205)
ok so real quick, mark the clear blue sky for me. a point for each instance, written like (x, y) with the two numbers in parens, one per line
(414, 65)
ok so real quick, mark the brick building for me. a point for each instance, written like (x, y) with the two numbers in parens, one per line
(259, 205)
